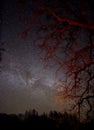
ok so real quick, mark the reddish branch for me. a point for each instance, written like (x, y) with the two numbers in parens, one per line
(65, 20)
(77, 61)
(71, 22)
(44, 10)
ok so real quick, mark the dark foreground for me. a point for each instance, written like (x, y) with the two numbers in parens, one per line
(55, 121)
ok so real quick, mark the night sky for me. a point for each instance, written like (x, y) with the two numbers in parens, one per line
(24, 81)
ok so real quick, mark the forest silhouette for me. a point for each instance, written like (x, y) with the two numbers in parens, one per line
(31, 120)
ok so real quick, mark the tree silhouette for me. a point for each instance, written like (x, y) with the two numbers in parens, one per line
(28, 121)
(65, 32)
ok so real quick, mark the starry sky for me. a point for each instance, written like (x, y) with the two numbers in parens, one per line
(24, 81)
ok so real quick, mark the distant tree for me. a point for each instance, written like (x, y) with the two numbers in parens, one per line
(31, 113)
(34, 112)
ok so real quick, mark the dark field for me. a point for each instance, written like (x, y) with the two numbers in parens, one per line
(31, 121)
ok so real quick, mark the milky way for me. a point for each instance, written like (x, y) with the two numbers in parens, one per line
(24, 82)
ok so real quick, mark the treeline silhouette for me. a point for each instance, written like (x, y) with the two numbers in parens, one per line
(31, 120)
